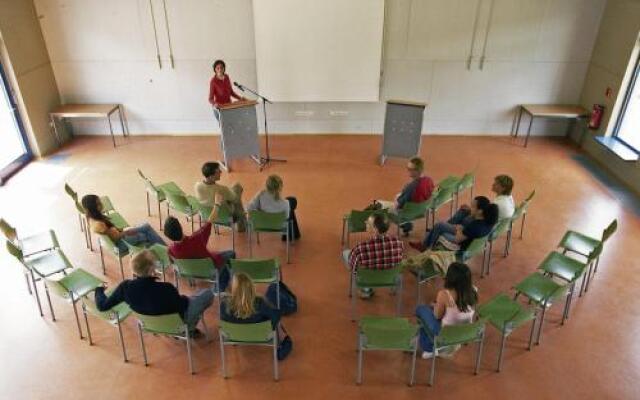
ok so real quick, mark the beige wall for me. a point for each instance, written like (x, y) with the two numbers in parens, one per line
(615, 42)
(25, 57)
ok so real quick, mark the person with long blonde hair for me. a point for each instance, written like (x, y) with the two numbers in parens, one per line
(243, 306)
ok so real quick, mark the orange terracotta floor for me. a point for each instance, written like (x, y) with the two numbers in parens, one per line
(594, 356)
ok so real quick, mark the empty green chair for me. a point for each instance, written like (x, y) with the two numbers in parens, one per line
(501, 228)
(576, 242)
(30, 244)
(258, 334)
(452, 336)
(390, 334)
(467, 181)
(105, 243)
(440, 197)
(197, 269)
(376, 279)
(158, 191)
(182, 204)
(264, 222)
(114, 317)
(72, 287)
(39, 266)
(411, 212)
(569, 269)
(165, 325)
(543, 291)
(355, 222)
(507, 315)
(259, 271)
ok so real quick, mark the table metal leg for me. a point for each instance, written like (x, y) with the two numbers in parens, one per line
(526, 139)
(55, 130)
(113, 138)
(125, 132)
(519, 118)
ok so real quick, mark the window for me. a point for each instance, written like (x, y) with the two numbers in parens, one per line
(627, 128)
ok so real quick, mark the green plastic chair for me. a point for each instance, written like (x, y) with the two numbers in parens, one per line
(501, 228)
(72, 288)
(423, 276)
(265, 271)
(520, 212)
(161, 252)
(356, 222)
(543, 291)
(107, 209)
(569, 269)
(411, 212)
(387, 333)
(376, 279)
(39, 266)
(264, 222)
(197, 269)
(467, 181)
(105, 243)
(440, 197)
(114, 317)
(507, 315)
(451, 336)
(576, 242)
(31, 244)
(224, 218)
(166, 325)
(182, 204)
(450, 181)
(258, 334)
(476, 247)
(158, 191)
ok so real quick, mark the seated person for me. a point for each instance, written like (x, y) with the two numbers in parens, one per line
(381, 251)
(207, 189)
(242, 306)
(195, 246)
(419, 189)
(270, 200)
(502, 187)
(454, 305)
(145, 295)
(99, 223)
(477, 222)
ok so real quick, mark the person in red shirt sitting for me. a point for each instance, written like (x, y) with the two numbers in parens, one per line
(220, 90)
(195, 246)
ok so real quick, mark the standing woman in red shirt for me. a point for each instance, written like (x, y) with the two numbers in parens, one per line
(220, 90)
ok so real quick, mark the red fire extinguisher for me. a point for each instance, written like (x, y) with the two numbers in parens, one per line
(596, 116)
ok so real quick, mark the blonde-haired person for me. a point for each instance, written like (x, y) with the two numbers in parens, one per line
(270, 200)
(146, 295)
(243, 306)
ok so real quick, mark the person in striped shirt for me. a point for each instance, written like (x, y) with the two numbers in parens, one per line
(381, 251)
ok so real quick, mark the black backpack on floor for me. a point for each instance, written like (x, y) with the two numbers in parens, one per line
(288, 300)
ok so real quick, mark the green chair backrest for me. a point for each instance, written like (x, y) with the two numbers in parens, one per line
(500, 228)
(411, 210)
(168, 324)
(460, 334)
(108, 244)
(178, 202)
(596, 252)
(528, 199)
(151, 188)
(261, 332)
(79, 208)
(357, 219)
(15, 251)
(388, 332)
(224, 216)
(198, 268)
(8, 231)
(450, 181)
(476, 247)
(442, 196)
(266, 270)
(466, 181)
(610, 230)
(268, 222)
(72, 193)
(520, 209)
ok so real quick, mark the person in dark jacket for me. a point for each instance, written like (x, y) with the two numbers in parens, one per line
(146, 295)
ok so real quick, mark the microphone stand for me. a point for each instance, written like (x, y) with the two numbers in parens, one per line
(264, 161)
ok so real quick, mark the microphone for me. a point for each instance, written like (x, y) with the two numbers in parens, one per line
(239, 86)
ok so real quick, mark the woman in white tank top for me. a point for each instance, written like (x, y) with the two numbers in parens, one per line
(454, 305)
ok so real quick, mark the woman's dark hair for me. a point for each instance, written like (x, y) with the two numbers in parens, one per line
(491, 214)
(482, 203)
(219, 62)
(90, 204)
(458, 278)
(210, 168)
(173, 229)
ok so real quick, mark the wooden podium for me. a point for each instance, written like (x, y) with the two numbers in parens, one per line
(402, 129)
(239, 132)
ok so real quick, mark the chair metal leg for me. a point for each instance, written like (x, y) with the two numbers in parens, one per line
(124, 349)
(160, 215)
(26, 277)
(432, 373)
(278, 294)
(233, 238)
(144, 350)
(250, 247)
(399, 295)
(86, 323)
(524, 217)
(276, 375)
(344, 224)
(186, 330)
(418, 289)
(288, 244)
(89, 235)
(503, 341)
(35, 292)
(148, 205)
(541, 324)
(359, 372)
(533, 329)
(46, 291)
(205, 329)
(350, 282)
(353, 299)
(596, 267)
(412, 376)
(75, 313)
(104, 269)
(121, 266)
(222, 361)
(567, 304)
(479, 355)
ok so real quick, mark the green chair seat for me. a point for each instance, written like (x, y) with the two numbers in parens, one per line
(540, 289)
(49, 263)
(377, 278)
(114, 317)
(39, 242)
(578, 242)
(170, 187)
(451, 335)
(261, 221)
(564, 267)
(257, 334)
(78, 283)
